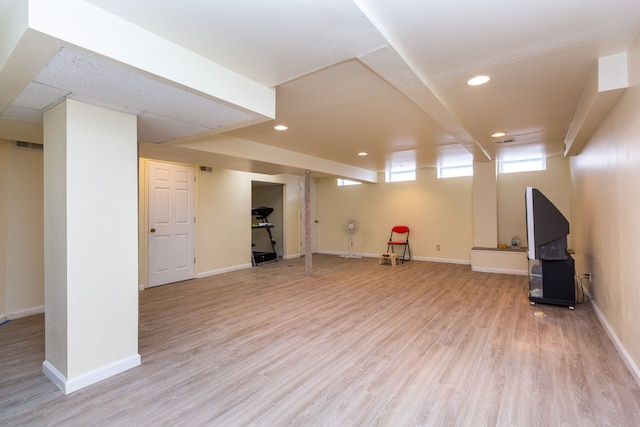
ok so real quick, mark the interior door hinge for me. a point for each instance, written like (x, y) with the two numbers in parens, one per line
(194, 260)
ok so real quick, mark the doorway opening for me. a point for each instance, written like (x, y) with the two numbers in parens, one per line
(267, 241)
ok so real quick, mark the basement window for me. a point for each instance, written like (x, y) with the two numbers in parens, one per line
(455, 171)
(526, 165)
(402, 175)
(343, 182)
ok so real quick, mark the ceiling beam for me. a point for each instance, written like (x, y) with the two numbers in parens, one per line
(607, 82)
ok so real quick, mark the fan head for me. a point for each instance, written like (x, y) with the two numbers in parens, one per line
(350, 226)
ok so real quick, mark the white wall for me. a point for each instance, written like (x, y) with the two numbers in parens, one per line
(606, 208)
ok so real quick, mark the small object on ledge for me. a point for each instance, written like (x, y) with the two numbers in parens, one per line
(515, 242)
(502, 246)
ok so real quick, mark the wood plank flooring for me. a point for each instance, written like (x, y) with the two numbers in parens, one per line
(356, 344)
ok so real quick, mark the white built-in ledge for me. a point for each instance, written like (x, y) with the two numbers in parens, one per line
(504, 261)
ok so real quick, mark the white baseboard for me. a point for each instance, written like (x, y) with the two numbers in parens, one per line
(24, 313)
(415, 258)
(224, 270)
(626, 357)
(291, 256)
(80, 381)
(500, 271)
(141, 286)
(444, 260)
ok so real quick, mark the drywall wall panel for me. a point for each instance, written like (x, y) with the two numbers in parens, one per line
(605, 212)
(554, 182)
(438, 212)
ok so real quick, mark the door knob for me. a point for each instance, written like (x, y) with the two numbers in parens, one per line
(153, 230)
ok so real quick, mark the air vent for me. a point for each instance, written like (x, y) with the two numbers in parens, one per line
(505, 141)
(29, 146)
(206, 168)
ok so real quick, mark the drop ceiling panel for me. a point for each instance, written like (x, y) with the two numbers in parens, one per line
(38, 96)
(155, 128)
(167, 112)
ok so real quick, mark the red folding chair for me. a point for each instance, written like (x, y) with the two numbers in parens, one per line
(400, 237)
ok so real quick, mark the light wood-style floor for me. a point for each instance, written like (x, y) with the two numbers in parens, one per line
(356, 344)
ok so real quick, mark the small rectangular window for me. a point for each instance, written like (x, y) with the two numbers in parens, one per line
(455, 171)
(399, 176)
(343, 182)
(511, 166)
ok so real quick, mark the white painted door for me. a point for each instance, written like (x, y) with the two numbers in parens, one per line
(314, 221)
(171, 223)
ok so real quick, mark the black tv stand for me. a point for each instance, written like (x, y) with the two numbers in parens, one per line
(552, 282)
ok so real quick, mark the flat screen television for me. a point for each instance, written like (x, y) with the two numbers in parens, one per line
(547, 228)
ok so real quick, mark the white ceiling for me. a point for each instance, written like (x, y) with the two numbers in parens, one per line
(385, 77)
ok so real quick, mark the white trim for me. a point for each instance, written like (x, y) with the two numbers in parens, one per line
(141, 287)
(413, 258)
(443, 260)
(531, 243)
(500, 271)
(291, 256)
(25, 313)
(626, 357)
(54, 375)
(223, 270)
(76, 383)
(3, 318)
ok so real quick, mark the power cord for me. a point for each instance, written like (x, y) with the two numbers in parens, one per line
(582, 295)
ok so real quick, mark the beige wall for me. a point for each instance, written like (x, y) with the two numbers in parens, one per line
(606, 212)
(555, 184)
(485, 205)
(438, 212)
(21, 231)
(223, 219)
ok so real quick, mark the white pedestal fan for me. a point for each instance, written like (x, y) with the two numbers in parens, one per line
(350, 226)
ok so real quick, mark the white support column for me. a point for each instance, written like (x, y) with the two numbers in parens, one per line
(485, 205)
(308, 256)
(91, 244)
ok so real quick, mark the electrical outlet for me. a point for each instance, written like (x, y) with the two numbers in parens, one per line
(437, 247)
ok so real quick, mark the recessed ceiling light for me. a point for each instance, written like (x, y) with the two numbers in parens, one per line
(280, 127)
(478, 80)
(362, 153)
(498, 134)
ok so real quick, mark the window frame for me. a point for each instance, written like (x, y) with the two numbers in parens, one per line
(541, 161)
(442, 175)
(395, 176)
